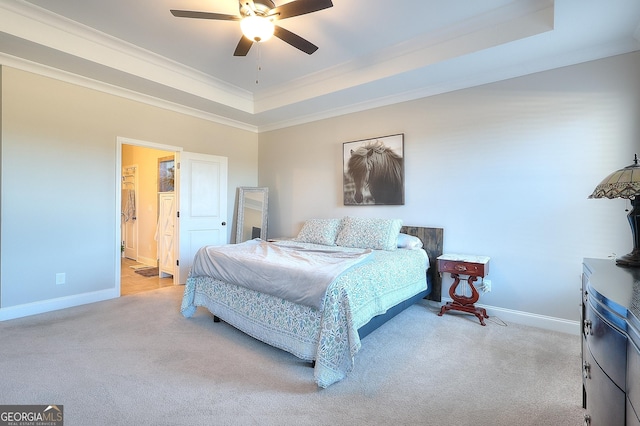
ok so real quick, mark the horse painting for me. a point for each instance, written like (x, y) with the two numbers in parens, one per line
(377, 174)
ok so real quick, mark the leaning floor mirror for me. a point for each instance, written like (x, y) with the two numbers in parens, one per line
(251, 220)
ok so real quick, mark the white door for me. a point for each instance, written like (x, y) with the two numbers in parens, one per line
(202, 206)
(166, 233)
(129, 208)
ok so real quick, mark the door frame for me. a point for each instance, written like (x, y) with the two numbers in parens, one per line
(120, 140)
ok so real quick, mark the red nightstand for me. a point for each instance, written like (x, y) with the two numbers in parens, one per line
(472, 266)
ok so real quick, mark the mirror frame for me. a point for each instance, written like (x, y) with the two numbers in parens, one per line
(242, 190)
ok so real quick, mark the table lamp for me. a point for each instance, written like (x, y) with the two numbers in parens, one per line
(625, 183)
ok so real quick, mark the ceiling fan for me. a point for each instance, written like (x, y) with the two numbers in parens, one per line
(257, 21)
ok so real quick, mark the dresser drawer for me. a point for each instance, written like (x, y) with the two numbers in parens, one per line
(633, 375)
(459, 267)
(605, 401)
(607, 344)
(632, 417)
(583, 350)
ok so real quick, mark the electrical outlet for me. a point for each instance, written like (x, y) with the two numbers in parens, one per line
(486, 286)
(61, 277)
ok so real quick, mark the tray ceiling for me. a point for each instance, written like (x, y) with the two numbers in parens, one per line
(371, 53)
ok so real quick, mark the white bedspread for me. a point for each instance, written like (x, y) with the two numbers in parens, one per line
(287, 270)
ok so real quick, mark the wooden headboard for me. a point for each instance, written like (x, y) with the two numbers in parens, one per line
(432, 240)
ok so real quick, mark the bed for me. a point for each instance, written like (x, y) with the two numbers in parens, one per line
(386, 275)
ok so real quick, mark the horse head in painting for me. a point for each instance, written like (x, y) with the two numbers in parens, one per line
(376, 167)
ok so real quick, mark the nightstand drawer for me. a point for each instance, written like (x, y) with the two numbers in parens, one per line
(459, 267)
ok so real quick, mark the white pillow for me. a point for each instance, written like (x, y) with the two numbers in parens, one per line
(319, 231)
(406, 241)
(375, 234)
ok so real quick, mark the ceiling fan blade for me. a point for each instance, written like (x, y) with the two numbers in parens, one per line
(295, 40)
(243, 47)
(204, 15)
(299, 7)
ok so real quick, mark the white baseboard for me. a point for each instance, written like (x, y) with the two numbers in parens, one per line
(534, 320)
(27, 309)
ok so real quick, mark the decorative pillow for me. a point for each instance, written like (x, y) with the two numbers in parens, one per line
(375, 234)
(319, 231)
(410, 242)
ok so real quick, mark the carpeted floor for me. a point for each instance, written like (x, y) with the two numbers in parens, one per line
(136, 361)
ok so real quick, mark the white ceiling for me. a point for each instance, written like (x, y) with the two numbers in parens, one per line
(371, 52)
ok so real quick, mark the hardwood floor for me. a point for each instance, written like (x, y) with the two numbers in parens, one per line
(132, 283)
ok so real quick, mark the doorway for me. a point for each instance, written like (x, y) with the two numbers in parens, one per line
(142, 181)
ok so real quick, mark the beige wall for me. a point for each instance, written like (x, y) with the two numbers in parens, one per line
(60, 183)
(504, 168)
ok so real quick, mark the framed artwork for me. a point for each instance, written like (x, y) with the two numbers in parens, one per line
(373, 171)
(166, 174)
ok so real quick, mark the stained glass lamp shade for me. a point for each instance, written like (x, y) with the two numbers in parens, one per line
(625, 183)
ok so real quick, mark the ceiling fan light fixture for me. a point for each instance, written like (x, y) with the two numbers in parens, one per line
(257, 28)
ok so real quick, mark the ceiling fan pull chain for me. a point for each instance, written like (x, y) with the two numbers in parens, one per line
(258, 60)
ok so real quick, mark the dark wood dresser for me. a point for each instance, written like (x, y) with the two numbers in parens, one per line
(610, 343)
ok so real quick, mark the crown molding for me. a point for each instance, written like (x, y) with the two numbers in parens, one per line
(37, 25)
(67, 77)
(475, 79)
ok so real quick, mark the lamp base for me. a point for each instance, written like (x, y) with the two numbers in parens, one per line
(631, 260)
